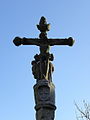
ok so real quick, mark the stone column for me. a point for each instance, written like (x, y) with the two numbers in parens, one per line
(44, 93)
(44, 89)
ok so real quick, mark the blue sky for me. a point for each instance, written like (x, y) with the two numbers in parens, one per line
(72, 64)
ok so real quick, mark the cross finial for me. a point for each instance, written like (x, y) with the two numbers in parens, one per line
(43, 27)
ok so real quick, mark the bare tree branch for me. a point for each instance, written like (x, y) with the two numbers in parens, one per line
(84, 113)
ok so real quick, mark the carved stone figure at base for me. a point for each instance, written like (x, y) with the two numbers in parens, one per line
(42, 68)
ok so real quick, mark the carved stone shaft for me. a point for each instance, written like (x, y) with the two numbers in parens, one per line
(44, 93)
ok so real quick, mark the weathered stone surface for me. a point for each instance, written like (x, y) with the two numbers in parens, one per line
(44, 93)
(45, 114)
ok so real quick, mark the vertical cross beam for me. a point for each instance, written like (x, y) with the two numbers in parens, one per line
(42, 69)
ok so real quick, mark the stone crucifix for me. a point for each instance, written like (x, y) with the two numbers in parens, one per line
(42, 68)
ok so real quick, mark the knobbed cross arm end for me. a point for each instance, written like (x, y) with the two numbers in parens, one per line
(17, 41)
(71, 41)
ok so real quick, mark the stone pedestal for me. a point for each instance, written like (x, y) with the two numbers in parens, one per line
(44, 93)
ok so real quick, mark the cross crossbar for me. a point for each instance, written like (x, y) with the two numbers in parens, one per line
(40, 42)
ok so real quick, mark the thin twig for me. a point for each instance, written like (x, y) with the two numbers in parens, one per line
(85, 114)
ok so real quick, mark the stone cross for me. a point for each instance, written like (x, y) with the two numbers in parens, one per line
(42, 68)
